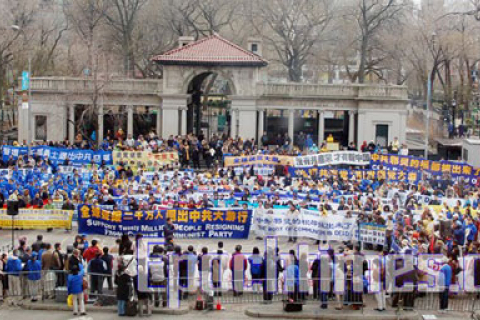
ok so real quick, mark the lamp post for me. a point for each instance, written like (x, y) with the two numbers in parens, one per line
(429, 102)
(29, 133)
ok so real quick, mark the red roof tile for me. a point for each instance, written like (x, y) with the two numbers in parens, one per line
(212, 50)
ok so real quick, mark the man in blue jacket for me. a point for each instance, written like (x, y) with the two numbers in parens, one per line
(445, 279)
(13, 269)
(34, 268)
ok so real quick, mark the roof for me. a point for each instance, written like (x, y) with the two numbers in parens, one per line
(449, 142)
(212, 50)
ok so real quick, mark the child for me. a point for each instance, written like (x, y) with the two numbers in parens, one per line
(75, 288)
(34, 268)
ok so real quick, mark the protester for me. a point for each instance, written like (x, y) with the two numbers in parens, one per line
(75, 288)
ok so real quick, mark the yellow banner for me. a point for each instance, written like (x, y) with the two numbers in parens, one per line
(260, 159)
(37, 219)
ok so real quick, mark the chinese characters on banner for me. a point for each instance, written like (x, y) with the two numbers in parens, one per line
(188, 223)
(353, 158)
(37, 219)
(308, 224)
(144, 158)
(259, 159)
(58, 156)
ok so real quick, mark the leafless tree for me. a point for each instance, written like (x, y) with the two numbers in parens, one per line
(292, 28)
(122, 17)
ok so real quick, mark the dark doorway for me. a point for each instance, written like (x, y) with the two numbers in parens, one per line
(336, 124)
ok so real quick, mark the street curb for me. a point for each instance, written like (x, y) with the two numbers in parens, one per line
(255, 313)
(54, 307)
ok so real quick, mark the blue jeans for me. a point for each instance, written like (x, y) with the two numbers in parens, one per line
(121, 307)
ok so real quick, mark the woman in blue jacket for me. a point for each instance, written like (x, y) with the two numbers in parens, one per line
(75, 288)
(34, 268)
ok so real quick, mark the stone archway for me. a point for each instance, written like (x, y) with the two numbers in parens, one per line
(208, 107)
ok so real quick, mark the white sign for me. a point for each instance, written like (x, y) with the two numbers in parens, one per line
(333, 158)
(304, 223)
(25, 105)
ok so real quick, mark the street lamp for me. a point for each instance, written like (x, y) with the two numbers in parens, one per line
(429, 101)
(29, 135)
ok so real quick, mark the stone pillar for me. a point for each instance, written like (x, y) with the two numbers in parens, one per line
(233, 123)
(291, 121)
(100, 123)
(321, 127)
(159, 122)
(171, 106)
(362, 134)
(129, 120)
(247, 116)
(261, 116)
(71, 123)
(183, 128)
(351, 127)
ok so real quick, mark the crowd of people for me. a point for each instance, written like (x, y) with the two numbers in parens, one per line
(447, 225)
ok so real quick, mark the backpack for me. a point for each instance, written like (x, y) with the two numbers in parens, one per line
(157, 271)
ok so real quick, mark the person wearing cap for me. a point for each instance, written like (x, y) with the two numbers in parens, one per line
(445, 279)
(34, 268)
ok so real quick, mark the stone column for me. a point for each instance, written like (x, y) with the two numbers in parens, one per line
(100, 123)
(261, 116)
(246, 107)
(321, 127)
(159, 122)
(183, 126)
(291, 121)
(71, 123)
(129, 120)
(351, 127)
(233, 123)
(171, 106)
(362, 134)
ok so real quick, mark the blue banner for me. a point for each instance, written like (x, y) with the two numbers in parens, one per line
(202, 223)
(58, 155)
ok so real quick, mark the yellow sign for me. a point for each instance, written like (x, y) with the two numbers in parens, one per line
(37, 219)
(145, 158)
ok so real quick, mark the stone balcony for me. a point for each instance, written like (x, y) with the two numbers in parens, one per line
(280, 90)
(333, 91)
(82, 85)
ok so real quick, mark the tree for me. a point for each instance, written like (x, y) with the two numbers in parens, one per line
(292, 28)
(371, 16)
(122, 17)
(86, 17)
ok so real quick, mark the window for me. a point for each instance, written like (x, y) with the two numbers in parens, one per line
(254, 48)
(381, 134)
(41, 128)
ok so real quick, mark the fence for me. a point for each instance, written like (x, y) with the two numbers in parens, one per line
(52, 286)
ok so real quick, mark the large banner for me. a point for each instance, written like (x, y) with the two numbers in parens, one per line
(410, 163)
(354, 158)
(188, 223)
(259, 159)
(37, 219)
(308, 224)
(145, 158)
(59, 155)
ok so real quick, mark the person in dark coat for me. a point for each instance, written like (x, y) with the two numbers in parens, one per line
(108, 258)
(168, 229)
(97, 268)
(123, 282)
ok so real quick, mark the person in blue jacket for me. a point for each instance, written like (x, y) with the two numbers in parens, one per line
(445, 279)
(13, 269)
(75, 288)
(34, 268)
(470, 230)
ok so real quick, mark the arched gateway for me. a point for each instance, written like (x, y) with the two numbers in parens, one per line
(216, 73)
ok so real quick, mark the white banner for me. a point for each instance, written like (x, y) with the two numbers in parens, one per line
(306, 223)
(354, 158)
